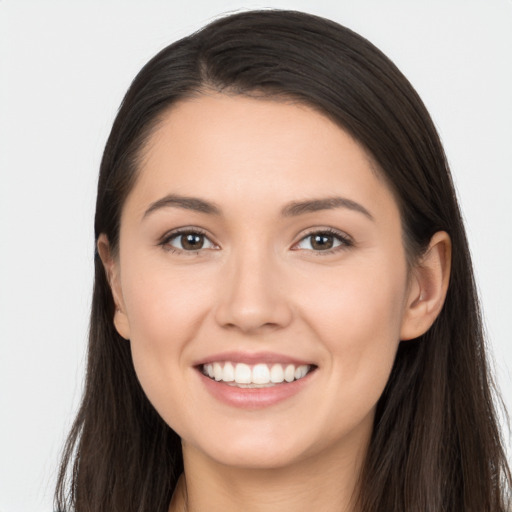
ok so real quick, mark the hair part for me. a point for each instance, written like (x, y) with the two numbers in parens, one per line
(436, 443)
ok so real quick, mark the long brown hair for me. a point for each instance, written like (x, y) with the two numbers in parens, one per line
(436, 443)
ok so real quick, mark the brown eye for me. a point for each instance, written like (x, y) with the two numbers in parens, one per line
(192, 241)
(189, 241)
(324, 241)
(321, 242)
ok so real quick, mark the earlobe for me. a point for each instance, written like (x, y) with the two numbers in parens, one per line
(428, 287)
(111, 267)
(121, 324)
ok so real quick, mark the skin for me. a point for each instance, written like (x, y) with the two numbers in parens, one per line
(258, 284)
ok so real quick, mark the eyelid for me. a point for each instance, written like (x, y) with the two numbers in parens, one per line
(345, 239)
(169, 235)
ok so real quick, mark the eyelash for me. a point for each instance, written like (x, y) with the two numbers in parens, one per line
(165, 241)
(345, 241)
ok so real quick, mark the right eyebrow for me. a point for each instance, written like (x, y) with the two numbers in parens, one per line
(187, 203)
(329, 203)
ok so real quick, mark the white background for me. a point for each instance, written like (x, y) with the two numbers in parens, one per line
(64, 67)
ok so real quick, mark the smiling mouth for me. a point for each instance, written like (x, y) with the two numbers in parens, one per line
(260, 375)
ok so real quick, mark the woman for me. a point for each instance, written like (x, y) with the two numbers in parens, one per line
(284, 313)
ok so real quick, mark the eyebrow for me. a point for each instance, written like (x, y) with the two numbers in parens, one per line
(329, 203)
(185, 202)
(293, 209)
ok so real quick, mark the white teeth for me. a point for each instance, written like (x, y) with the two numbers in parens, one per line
(300, 372)
(217, 371)
(289, 373)
(261, 374)
(258, 375)
(242, 373)
(229, 373)
(276, 373)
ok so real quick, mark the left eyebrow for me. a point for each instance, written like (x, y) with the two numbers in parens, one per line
(185, 202)
(329, 203)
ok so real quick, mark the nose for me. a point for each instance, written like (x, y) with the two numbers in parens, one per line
(252, 294)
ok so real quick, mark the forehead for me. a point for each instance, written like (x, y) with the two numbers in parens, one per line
(263, 151)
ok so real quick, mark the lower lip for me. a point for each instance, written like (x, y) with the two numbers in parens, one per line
(253, 398)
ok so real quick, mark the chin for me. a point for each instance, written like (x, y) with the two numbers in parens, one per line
(255, 456)
(266, 447)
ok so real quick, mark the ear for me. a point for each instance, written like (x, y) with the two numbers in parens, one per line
(111, 266)
(428, 287)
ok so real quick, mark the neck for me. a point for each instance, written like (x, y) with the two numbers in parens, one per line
(326, 482)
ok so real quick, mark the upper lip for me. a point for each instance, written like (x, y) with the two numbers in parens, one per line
(252, 358)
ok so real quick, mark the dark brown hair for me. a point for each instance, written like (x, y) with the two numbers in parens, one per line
(436, 443)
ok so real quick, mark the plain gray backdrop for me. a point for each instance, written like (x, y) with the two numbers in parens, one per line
(64, 67)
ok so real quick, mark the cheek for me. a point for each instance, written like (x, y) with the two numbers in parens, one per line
(357, 299)
(164, 304)
(357, 316)
(165, 311)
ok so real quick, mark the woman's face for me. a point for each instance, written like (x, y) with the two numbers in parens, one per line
(260, 245)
